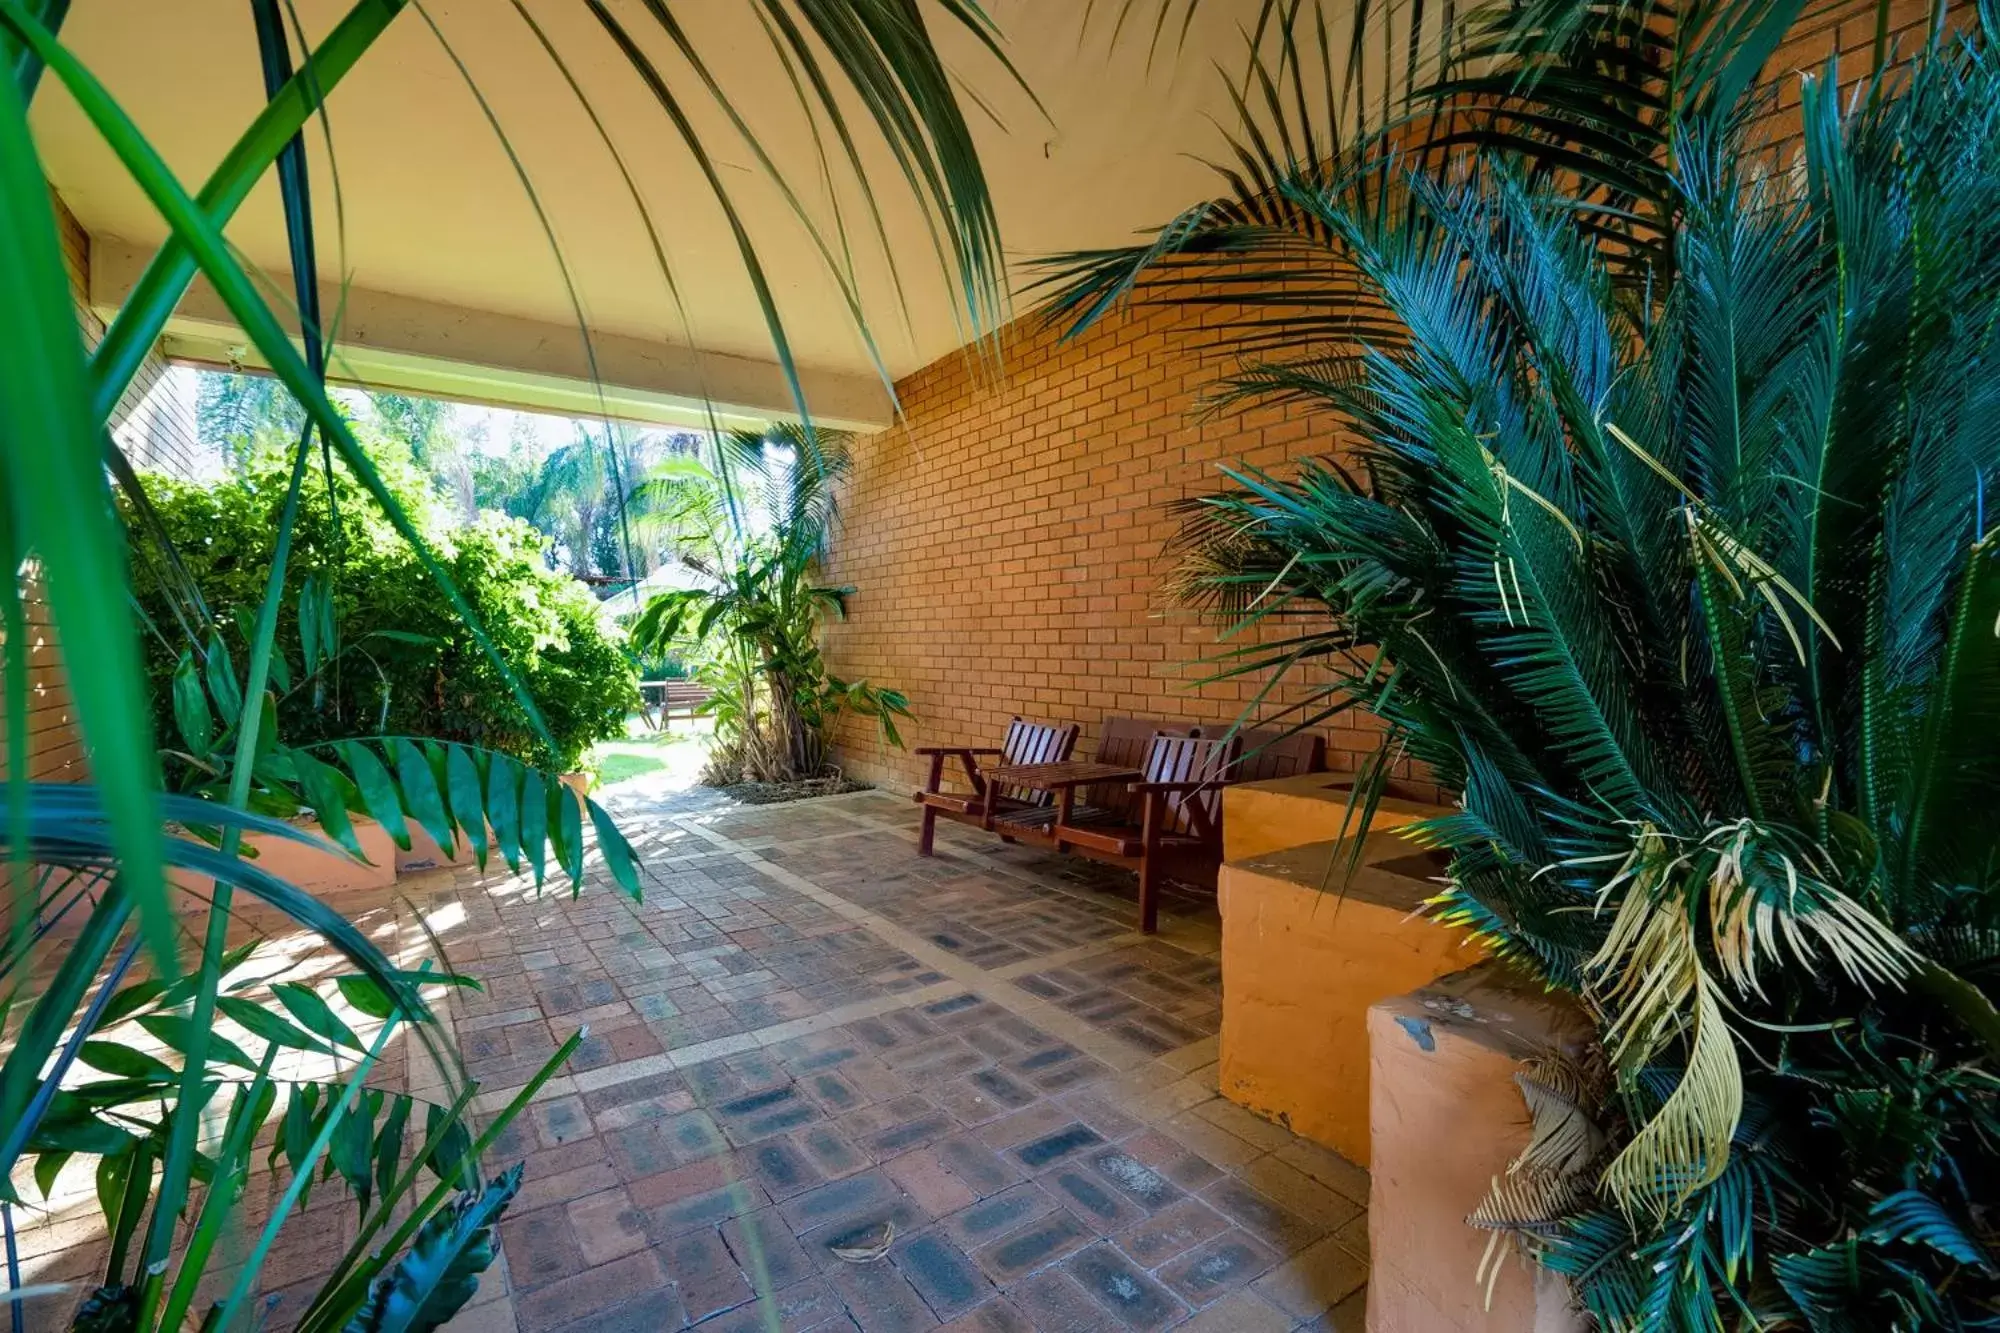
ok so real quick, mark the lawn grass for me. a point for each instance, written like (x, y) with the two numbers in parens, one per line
(645, 753)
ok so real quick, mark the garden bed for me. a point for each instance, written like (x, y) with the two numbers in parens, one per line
(777, 793)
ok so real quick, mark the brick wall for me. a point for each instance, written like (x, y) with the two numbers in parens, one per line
(155, 426)
(1005, 538)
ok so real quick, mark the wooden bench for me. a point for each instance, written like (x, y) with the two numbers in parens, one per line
(1177, 831)
(1025, 743)
(1150, 800)
(1269, 753)
(685, 697)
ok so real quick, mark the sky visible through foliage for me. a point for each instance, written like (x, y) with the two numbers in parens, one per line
(571, 478)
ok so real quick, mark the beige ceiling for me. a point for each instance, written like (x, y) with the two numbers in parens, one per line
(435, 214)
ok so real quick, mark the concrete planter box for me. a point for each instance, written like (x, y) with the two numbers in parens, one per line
(1303, 958)
(1269, 816)
(1448, 1119)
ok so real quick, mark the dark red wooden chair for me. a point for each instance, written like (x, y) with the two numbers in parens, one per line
(1123, 742)
(1178, 830)
(1271, 754)
(1025, 743)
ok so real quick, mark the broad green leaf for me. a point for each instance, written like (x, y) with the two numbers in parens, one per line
(503, 807)
(468, 803)
(267, 728)
(422, 796)
(129, 1001)
(369, 997)
(565, 822)
(69, 1126)
(365, 995)
(329, 623)
(259, 1021)
(378, 790)
(324, 791)
(125, 1062)
(535, 823)
(223, 686)
(312, 1010)
(617, 853)
(309, 622)
(351, 1152)
(295, 1135)
(54, 483)
(124, 1179)
(389, 1146)
(191, 712)
(451, 1144)
(173, 1030)
(48, 1166)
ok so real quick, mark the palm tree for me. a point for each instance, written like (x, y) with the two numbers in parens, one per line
(1654, 523)
(752, 526)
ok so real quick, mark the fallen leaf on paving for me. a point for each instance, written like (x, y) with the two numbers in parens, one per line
(866, 1254)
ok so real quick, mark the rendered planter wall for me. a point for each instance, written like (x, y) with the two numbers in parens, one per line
(1447, 1120)
(317, 871)
(1303, 958)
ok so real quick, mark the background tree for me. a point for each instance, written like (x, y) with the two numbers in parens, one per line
(751, 525)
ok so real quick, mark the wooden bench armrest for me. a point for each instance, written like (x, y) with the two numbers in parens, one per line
(955, 749)
(1164, 787)
(1071, 784)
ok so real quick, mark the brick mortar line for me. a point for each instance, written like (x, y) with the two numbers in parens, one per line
(994, 985)
(978, 980)
(945, 849)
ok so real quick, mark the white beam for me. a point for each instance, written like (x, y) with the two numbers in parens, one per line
(386, 341)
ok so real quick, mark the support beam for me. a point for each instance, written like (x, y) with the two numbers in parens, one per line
(402, 343)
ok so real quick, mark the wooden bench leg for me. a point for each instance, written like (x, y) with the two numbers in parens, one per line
(1150, 858)
(927, 839)
(1149, 895)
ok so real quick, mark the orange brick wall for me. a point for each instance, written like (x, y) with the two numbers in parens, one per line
(1005, 539)
(1005, 542)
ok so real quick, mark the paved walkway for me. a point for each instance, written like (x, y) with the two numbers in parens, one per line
(807, 1045)
(807, 1041)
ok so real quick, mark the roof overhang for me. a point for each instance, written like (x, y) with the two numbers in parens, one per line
(410, 345)
(455, 287)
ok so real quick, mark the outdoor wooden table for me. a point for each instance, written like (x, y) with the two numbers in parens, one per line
(1056, 777)
(1063, 779)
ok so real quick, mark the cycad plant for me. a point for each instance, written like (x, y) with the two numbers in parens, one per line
(751, 530)
(1678, 567)
(95, 939)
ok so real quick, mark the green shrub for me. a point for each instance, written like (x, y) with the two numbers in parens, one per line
(404, 663)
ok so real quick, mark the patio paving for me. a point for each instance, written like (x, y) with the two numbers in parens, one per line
(808, 1043)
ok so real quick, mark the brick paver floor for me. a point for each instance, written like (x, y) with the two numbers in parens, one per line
(830, 1085)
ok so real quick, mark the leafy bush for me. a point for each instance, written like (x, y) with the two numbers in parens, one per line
(404, 662)
(753, 529)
